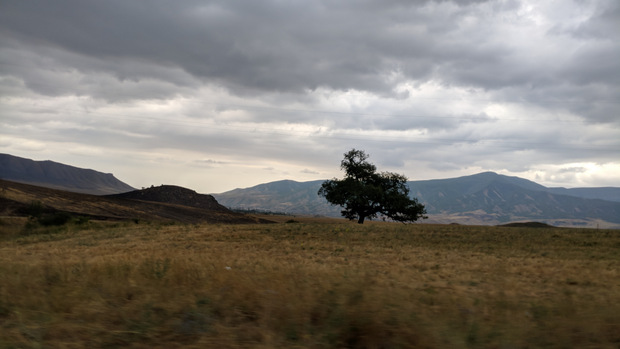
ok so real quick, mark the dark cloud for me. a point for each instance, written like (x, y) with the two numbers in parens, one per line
(252, 47)
(247, 45)
(452, 84)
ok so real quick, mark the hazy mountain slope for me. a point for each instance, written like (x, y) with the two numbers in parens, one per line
(505, 202)
(59, 176)
(453, 187)
(280, 196)
(485, 198)
(603, 193)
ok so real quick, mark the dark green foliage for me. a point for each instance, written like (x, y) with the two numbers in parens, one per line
(54, 219)
(46, 216)
(45, 219)
(36, 209)
(364, 193)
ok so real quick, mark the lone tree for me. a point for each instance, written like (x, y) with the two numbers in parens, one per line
(364, 193)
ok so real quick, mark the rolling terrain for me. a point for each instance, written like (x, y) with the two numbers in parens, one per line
(309, 285)
(17, 199)
(306, 282)
(175, 195)
(485, 198)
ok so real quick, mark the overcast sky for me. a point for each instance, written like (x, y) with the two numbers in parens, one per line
(216, 95)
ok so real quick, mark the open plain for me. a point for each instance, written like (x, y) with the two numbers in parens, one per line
(307, 283)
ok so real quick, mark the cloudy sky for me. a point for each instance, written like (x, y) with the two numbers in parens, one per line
(215, 95)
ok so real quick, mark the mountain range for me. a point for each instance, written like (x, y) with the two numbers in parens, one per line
(55, 175)
(484, 198)
(62, 189)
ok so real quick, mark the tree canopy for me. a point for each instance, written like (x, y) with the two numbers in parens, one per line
(364, 193)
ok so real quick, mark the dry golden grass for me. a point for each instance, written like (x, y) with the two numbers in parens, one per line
(308, 285)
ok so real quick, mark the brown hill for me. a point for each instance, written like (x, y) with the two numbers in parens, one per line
(172, 194)
(16, 197)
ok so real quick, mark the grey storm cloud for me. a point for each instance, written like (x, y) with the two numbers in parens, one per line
(254, 47)
(494, 84)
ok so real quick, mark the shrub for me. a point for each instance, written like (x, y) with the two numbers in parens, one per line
(54, 219)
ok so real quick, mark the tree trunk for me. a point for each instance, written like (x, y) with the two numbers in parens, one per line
(361, 220)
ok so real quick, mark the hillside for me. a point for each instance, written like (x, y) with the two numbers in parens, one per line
(280, 196)
(172, 194)
(15, 198)
(311, 285)
(55, 175)
(467, 185)
(485, 198)
(604, 193)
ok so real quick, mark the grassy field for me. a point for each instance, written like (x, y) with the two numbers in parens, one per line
(307, 284)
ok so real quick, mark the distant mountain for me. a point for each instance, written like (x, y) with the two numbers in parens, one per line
(604, 193)
(282, 196)
(499, 199)
(59, 176)
(484, 198)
